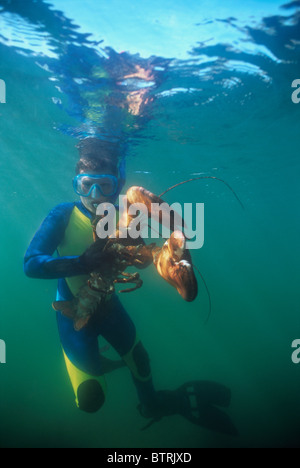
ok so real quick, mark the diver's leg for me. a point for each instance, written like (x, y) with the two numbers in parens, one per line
(194, 400)
(81, 353)
(89, 390)
(119, 330)
(109, 365)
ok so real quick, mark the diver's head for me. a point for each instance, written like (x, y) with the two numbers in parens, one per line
(97, 174)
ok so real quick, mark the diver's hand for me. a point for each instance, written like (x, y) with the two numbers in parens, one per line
(93, 256)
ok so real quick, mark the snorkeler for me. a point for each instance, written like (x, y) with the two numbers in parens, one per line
(68, 230)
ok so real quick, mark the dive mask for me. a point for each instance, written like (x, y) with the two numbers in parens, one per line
(87, 185)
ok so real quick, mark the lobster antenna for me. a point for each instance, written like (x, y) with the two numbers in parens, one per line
(208, 293)
(204, 177)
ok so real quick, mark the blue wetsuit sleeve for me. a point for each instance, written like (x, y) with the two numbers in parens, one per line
(39, 261)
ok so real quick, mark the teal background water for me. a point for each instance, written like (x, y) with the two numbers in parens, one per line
(222, 106)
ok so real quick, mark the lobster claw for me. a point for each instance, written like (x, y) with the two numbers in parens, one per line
(174, 264)
(156, 209)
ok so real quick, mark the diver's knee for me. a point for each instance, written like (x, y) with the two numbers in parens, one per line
(90, 396)
(142, 361)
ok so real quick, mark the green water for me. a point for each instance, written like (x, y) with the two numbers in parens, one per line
(250, 262)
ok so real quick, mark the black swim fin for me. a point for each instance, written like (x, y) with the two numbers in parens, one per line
(196, 401)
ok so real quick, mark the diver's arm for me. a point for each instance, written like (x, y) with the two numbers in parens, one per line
(55, 268)
(38, 262)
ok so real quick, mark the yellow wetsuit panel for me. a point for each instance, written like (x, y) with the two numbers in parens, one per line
(77, 377)
(78, 237)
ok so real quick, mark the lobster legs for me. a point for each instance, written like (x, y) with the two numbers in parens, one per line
(130, 278)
